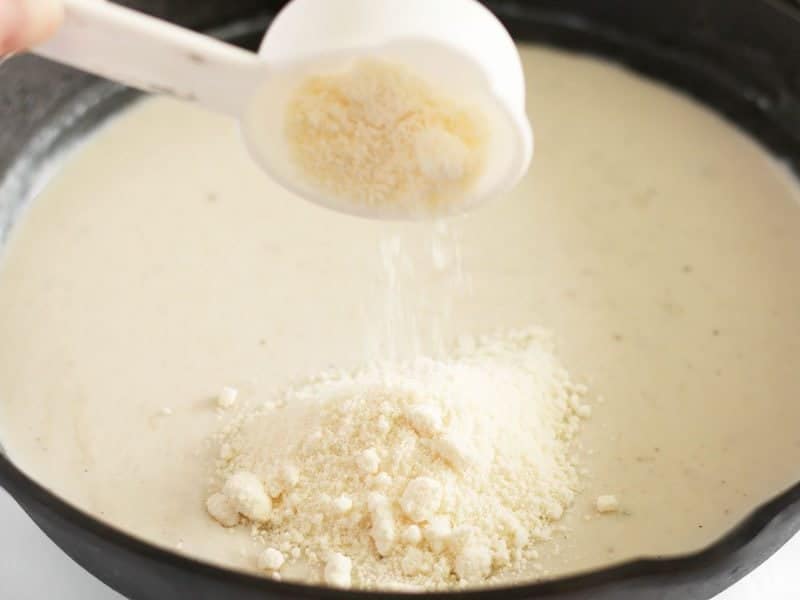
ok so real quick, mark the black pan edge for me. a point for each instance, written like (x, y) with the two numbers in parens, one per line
(778, 519)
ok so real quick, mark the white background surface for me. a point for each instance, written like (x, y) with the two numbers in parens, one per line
(33, 568)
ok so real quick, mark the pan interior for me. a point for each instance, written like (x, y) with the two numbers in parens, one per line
(661, 255)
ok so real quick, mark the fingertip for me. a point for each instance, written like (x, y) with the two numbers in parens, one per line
(11, 25)
(42, 19)
(25, 23)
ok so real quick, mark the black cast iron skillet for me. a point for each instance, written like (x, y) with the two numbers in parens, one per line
(742, 57)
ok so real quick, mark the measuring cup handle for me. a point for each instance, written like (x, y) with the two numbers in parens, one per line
(150, 54)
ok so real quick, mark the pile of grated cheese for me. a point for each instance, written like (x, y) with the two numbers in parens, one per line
(423, 475)
(378, 135)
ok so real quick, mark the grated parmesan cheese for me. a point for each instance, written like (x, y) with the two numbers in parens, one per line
(227, 397)
(271, 560)
(607, 504)
(471, 466)
(376, 134)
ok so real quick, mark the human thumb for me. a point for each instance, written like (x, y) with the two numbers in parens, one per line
(24, 23)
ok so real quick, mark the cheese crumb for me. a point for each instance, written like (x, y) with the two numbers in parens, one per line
(290, 475)
(343, 504)
(441, 156)
(247, 495)
(426, 419)
(368, 461)
(437, 532)
(382, 480)
(607, 504)
(383, 424)
(337, 570)
(222, 510)
(270, 560)
(412, 535)
(454, 450)
(473, 563)
(227, 397)
(382, 531)
(421, 498)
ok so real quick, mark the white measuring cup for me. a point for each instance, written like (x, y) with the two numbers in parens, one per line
(458, 45)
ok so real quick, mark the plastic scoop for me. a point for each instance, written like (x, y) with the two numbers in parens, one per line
(458, 45)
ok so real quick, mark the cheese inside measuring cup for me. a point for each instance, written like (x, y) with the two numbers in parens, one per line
(378, 134)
